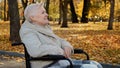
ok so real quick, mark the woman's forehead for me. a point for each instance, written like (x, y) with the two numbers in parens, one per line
(41, 9)
(37, 7)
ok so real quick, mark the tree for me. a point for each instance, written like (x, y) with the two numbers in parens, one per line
(7, 15)
(4, 10)
(73, 13)
(85, 11)
(47, 6)
(60, 11)
(24, 3)
(64, 6)
(111, 18)
(14, 21)
(32, 1)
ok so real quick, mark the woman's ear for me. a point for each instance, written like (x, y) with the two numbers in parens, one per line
(32, 18)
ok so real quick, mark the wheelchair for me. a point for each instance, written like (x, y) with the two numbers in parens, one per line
(55, 58)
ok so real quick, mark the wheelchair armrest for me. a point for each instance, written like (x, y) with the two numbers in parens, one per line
(49, 57)
(80, 51)
(16, 43)
(76, 51)
(59, 57)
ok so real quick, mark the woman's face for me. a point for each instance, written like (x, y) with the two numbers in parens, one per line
(40, 17)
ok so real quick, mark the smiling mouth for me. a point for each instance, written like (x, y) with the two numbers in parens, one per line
(46, 18)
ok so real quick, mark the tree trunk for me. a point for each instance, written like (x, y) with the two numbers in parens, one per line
(32, 1)
(14, 21)
(4, 10)
(64, 23)
(74, 15)
(60, 11)
(47, 6)
(85, 11)
(8, 15)
(24, 3)
(111, 18)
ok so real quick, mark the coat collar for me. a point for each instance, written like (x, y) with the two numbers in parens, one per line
(42, 29)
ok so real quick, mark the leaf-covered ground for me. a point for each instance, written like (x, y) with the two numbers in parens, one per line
(101, 44)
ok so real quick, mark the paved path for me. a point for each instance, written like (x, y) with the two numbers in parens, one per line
(11, 64)
(8, 62)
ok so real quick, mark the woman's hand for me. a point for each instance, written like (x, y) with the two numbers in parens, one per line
(67, 52)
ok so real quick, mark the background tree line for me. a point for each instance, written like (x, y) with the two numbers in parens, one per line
(62, 11)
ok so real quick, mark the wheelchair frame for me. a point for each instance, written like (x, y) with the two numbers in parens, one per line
(28, 58)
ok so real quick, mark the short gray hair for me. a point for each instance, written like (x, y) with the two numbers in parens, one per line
(31, 10)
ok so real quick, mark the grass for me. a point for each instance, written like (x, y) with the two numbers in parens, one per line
(101, 44)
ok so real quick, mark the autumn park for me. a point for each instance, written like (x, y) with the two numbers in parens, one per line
(90, 25)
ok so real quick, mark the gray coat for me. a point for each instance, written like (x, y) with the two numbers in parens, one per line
(40, 41)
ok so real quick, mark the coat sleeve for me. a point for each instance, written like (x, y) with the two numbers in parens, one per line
(34, 46)
(65, 43)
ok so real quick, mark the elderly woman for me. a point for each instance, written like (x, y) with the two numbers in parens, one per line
(40, 40)
(38, 37)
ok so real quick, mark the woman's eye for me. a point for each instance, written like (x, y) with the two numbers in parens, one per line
(43, 12)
